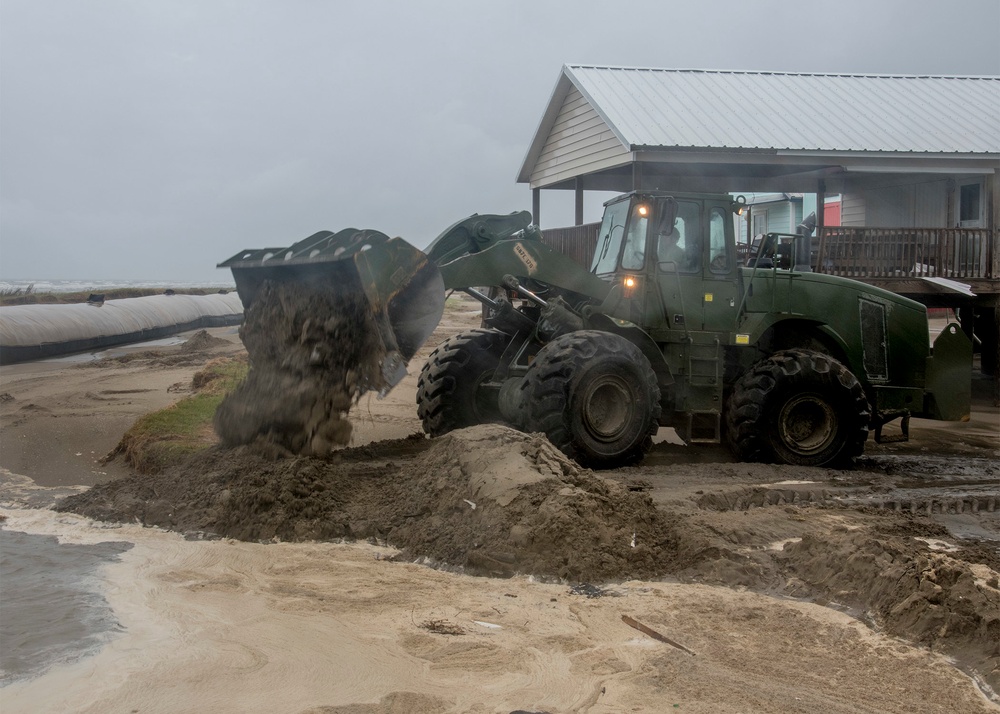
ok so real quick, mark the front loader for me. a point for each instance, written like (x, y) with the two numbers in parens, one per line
(668, 327)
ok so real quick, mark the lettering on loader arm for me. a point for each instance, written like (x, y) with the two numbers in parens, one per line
(525, 258)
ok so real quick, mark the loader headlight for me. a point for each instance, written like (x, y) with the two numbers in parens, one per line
(629, 284)
(643, 210)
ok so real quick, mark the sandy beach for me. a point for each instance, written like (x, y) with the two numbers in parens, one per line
(771, 594)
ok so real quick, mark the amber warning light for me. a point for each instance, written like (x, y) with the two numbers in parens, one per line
(629, 284)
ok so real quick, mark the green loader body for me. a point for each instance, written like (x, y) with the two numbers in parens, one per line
(670, 326)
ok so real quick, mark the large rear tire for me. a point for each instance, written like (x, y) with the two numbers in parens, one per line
(798, 407)
(449, 394)
(595, 396)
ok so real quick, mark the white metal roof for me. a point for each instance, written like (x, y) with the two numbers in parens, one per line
(784, 111)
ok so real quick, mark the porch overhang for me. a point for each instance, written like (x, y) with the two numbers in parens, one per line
(721, 171)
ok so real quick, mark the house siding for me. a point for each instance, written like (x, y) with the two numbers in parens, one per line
(913, 205)
(779, 217)
(852, 210)
(579, 142)
(930, 206)
(889, 206)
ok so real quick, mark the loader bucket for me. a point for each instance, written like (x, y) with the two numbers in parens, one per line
(403, 288)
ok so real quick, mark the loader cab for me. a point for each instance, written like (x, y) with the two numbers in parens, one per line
(674, 256)
(643, 232)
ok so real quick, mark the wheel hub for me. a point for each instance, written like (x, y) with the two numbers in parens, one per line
(609, 409)
(807, 424)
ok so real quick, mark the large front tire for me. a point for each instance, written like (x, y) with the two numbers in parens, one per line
(595, 396)
(449, 393)
(798, 407)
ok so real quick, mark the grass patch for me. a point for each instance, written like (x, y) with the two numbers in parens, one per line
(164, 438)
(16, 294)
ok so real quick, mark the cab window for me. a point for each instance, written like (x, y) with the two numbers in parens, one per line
(680, 244)
(609, 238)
(719, 255)
(635, 242)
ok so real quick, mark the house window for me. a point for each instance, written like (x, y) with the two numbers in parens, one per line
(970, 205)
(759, 222)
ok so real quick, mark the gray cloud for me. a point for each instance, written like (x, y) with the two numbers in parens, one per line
(151, 140)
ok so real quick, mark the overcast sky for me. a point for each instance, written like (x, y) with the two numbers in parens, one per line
(152, 139)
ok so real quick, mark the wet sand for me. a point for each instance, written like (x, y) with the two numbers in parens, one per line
(230, 626)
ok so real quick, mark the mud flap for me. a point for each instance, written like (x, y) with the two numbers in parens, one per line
(948, 391)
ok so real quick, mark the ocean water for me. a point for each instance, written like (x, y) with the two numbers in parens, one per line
(51, 608)
(43, 285)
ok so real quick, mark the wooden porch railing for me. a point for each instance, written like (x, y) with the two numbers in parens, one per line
(577, 242)
(955, 253)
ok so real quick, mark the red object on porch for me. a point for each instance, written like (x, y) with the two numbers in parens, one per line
(831, 213)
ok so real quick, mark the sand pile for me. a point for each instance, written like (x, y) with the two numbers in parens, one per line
(202, 341)
(496, 501)
(312, 354)
(488, 499)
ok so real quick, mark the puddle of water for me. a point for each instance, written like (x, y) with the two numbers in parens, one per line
(967, 526)
(936, 544)
(115, 351)
(53, 611)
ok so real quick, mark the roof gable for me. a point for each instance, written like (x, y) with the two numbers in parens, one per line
(579, 140)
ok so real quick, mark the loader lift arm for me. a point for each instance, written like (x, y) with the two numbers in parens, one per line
(477, 233)
(403, 285)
